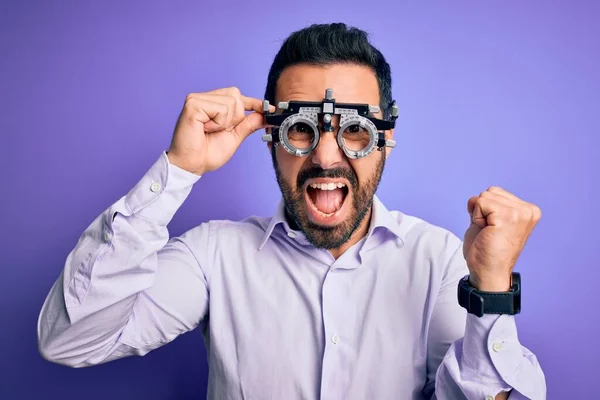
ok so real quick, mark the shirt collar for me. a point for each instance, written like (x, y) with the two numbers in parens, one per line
(277, 218)
(382, 219)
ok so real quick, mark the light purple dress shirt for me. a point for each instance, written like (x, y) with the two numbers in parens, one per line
(282, 319)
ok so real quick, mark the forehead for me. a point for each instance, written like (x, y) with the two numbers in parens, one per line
(350, 83)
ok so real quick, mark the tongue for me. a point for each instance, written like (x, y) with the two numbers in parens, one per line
(328, 201)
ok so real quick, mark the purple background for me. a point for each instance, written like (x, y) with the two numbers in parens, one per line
(503, 93)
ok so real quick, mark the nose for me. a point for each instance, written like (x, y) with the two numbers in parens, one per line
(327, 154)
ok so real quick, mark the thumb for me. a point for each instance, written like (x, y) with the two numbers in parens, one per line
(475, 208)
(253, 122)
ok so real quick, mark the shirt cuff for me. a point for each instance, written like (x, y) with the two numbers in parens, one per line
(161, 191)
(491, 345)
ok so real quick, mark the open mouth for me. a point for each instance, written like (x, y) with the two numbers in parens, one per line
(326, 197)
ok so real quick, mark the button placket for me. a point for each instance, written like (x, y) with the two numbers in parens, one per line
(337, 314)
(331, 356)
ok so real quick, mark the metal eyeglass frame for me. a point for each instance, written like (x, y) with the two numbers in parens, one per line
(293, 112)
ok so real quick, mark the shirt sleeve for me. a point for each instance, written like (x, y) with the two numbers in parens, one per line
(477, 358)
(126, 288)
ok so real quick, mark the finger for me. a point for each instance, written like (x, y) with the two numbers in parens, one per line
(229, 91)
(501, 192)
(249, 125)
(471, 204)
(253, 104)
(510, 207)
(230, 101)
(500, 199)
(249, 103)
(210, 113)
(481, 209)
(478, 216)
(535, 211)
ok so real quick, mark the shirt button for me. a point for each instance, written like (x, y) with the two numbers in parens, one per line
(106, 236)
(291, 234)
(155, 187)
(498, 346)
(335, 339)
(489, 397)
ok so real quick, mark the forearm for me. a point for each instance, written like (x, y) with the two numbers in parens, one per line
(90, 304)
(115, 260)
(472, 357)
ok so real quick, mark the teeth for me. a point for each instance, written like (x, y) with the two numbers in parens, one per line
(327, 186)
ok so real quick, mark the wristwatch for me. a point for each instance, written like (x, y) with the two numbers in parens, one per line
(480, 303)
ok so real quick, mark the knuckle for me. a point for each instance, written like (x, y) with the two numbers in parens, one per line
(481, 201)
(193, 115)
(191, 103)
(514, 215)
(231, 101)
(537, 212)
(220, 117)
(235, 91)
(192, 118)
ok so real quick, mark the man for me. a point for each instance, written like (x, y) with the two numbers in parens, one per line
(333, 297)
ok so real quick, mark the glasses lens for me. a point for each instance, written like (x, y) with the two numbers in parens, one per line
(301, 135)
(356, 137)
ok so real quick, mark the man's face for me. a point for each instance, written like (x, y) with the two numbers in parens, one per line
(328, 217)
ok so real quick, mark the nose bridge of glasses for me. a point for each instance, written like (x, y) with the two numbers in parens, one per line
(328, 123)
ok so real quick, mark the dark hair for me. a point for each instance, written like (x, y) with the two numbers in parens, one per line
(326, 44)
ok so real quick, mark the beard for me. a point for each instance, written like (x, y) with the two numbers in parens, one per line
(328, 237)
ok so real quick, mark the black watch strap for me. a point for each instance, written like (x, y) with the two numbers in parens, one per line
(480, 303)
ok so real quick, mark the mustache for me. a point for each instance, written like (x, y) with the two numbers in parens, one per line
(318, 172)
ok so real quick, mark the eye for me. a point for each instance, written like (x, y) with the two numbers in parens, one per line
(356, 137)
(301, 128)
(356, 132)
(300, 135)
(354, 128)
